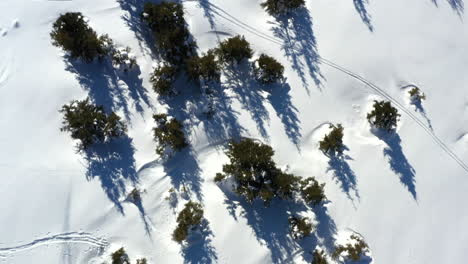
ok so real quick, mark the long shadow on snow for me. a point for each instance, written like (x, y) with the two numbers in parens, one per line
(271, 228)
(360, 6)
(200, 248)
(457, 5)
(419, 107)
(241, 80)
(280, 100)
(113, 164)
(344, 175)
(299, 44)
(398, 161)
(109, 88)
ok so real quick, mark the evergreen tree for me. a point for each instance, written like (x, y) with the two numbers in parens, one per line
(189, 217)
(278, 7)
(167, 22)
(300, 227)
(311, 191)
(204, 68)
(383, 116)
(354, 250)
(71, 32)
(332, 143)
(163, 78)
(168, 133)
(268, 70)
(120, 257)
(416, 95)
(234, 49)
(89, 123)
(319, 257)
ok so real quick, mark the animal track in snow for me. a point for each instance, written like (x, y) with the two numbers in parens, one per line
(70, 237)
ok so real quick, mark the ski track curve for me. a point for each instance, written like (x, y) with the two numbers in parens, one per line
(223, 14)
(70, 237)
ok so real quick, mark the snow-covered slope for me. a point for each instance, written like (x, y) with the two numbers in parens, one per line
(403, 194)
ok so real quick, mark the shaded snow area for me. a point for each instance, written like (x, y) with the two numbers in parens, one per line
(403, 193)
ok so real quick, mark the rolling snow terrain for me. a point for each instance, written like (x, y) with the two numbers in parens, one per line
(403, 193)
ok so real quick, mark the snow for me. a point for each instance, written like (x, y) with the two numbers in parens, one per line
(403, 194)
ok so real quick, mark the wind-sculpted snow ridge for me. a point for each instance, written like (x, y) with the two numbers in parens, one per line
(70, 238)
(223, 14)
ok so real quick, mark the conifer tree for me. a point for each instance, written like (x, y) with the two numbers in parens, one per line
(383, 116)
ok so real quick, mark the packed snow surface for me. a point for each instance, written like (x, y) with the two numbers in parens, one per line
(404, 194)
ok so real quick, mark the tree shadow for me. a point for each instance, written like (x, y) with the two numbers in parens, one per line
(271, 228)
(344, 175)
(360, 6)
(241, 80)
(133, 18)
(299, 44)
(280, 100)
(418, 106)
(200, 248)
(208, 12)
(108, 87)
(222, 123)
(144, 217)
(398, 161)
(457, 5)
(113, 164)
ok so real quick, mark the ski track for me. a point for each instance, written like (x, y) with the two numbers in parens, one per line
(223, 14)
(70, 237)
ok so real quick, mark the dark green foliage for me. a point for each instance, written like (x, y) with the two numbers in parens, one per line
(383, 116)
(416, 94)
(168, 134)
(332, 143)
(355, 251)
(189, 217)
(135, 195)
(142, 261)
(277, 7)
(311, 191)
(318, 257)
(268, 70)
(300, 227)
(167, 22)
(204, 68)
(163, 78)
(255, 173)
(120, 257)
(234, 49)
(89, 123)
(71, 32)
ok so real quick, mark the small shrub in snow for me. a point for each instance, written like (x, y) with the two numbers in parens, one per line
(416, 95)
(135, 195)
(277, 7)
(300, 227)
(234, 50)
(168, 134)
(90, 123)
(311, 191)
(319, 257)
(268, 70)
(205, 68)
(120, 257)
(332, 143)
(72, 33)
(383, 116)
(354, 250)
(141, 261)
(123, 59)
(163, 78)
(255, 173)
(167, 22)
(190, 217)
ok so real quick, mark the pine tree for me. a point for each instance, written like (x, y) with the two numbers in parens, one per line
(189, 217)
(163, 79)
(120, 257)
(268, 70)
(204, 68)
(168, 133)
(234, 49)
(300, 227)
(311, 191)
(319, 257)
(72, 33)
(383, 116)
(354, 250)
(89, 123)
(278, 7)
(332, 143)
